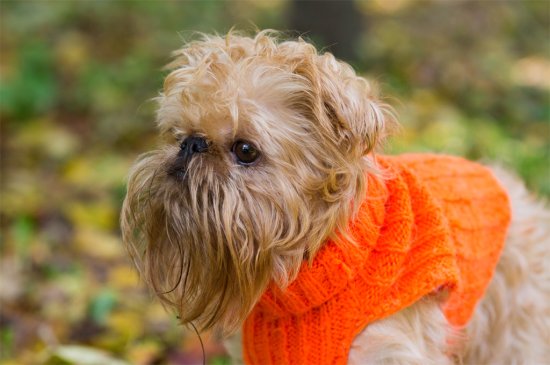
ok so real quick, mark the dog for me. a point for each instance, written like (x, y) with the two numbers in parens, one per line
(268, 214)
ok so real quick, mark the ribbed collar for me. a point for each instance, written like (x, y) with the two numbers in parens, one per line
(336, 264)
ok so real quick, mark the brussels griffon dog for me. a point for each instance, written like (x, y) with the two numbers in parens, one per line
(266, 214)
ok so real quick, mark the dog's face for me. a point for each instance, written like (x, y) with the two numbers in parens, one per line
(264, 158)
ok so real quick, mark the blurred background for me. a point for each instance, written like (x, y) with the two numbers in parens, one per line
(76, 78)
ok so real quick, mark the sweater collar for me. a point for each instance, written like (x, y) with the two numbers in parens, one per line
(335, 265)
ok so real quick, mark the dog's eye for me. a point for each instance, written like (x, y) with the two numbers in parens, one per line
(245, 152)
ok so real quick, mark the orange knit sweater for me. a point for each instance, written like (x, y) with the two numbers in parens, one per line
(434, 222)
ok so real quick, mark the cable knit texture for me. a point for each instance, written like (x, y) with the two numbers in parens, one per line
(433, 222)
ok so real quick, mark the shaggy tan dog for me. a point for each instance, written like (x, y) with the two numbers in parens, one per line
(268, 146)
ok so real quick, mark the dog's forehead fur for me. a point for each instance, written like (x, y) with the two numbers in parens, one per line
(239, 90)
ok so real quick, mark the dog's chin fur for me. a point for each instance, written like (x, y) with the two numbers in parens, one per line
(207, 233)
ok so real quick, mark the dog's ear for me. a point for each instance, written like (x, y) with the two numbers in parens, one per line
(345, 105)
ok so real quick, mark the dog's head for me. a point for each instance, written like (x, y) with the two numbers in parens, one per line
(265, 150)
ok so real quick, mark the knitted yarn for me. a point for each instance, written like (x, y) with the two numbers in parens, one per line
(433, 222)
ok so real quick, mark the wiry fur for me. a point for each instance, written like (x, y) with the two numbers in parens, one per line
(209, 243)
(209, 234)
(512, 322)
(418, 334)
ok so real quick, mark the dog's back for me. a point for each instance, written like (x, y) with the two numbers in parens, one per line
(512, 323)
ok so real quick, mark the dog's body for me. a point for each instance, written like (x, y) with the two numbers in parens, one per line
(268, 152)
(512, 322)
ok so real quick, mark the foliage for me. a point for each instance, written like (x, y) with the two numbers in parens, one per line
(469, 78)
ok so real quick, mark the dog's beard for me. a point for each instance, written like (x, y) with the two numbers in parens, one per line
(208, 244)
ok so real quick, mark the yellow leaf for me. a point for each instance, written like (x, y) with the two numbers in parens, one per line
(46, 137)
(72, 51)
(123, 277)
(129, 325)
(382, 6)
(532, 71)
(99, 244)
(21, 194)
(83, 355)
(99, 214)
(97, 170)
(144, 353)
(157, 313)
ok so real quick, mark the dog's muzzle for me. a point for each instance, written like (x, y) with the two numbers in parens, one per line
(190, 146)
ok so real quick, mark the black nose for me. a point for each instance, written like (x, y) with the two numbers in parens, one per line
(191, 145)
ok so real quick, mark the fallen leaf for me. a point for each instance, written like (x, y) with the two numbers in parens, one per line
(123, 277)
(83, 355)
(99, 244)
